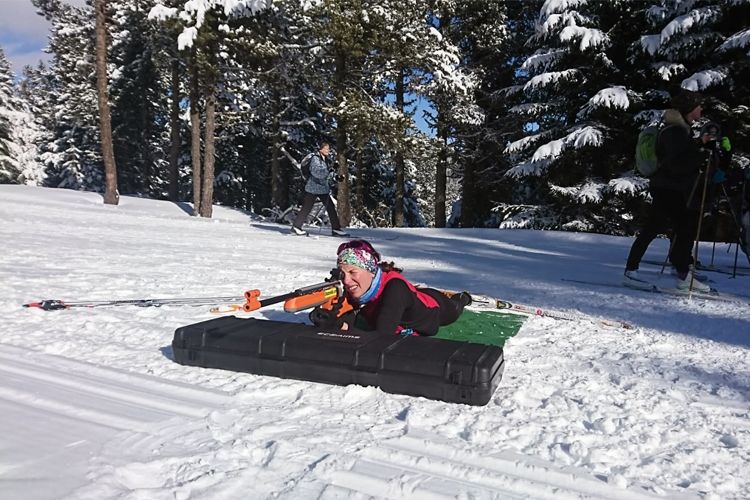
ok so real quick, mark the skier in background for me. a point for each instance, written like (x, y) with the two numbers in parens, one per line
(676, 193)
(317, 187)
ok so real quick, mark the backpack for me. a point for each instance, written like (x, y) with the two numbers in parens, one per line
(304, 165)
(646, 162)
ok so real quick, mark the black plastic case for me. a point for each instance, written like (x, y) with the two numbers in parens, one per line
(456, 372)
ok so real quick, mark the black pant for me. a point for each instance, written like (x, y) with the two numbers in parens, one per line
(668, 207)
(450, 307)
(307, 205)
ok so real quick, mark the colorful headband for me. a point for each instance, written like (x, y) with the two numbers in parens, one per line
(358, 257)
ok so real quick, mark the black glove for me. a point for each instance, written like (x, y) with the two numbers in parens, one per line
(325, 318)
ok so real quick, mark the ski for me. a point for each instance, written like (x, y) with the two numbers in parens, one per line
(56, 304)
(715, 296)
(721, 271)
(698, 276)
(490, 302)
(741, 271)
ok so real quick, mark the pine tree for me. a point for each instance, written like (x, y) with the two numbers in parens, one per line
(35, 90)
(397, 70)
(573, 164)
(492, 37)
(18, 131)
(141, 58)
(349, 36)
(201, 35)
(451, 90)
(702, 46)
(8, 149)
(72, 159)
(271, 112)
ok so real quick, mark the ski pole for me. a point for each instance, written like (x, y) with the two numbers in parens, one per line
(57, 304)
(535, 311)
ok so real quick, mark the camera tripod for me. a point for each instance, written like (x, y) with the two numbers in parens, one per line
(740, 229)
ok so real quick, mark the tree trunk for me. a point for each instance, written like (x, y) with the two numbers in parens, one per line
(195, 134)
(441, 173)
(207, 193)
(398, 198)
(360, 187)
(468, 195)
(343, 204)
(148, 159)
(441, 169)
(174, 121)
(111, 195)
(344, 208)
(279, 190)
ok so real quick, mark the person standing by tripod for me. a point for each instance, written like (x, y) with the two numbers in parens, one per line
(676, 192)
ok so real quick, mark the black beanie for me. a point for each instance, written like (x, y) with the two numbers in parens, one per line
(686, 101)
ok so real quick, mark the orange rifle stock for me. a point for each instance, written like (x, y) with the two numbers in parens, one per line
(333, 288)
(308, 301)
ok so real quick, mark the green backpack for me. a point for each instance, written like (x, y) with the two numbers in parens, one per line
(646, 162)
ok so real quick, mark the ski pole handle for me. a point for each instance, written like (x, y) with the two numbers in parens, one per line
(48, 305)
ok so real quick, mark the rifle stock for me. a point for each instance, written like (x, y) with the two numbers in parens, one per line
(311, 300)
(307, 297)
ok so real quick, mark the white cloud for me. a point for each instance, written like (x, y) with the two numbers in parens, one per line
(23, 32)
(19, 18)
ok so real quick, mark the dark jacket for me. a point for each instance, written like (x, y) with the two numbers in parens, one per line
(399, 306)
(680, 158)
(317, 183)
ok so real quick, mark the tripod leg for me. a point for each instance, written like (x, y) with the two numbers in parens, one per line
(700, 220)
(739, 228)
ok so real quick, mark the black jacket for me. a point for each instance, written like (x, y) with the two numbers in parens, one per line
(679, 155)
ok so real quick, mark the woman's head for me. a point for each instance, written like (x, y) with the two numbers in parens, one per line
(358, 264)
(689, 104)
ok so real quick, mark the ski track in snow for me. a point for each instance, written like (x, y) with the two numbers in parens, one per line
(79, 405)
(96, 408)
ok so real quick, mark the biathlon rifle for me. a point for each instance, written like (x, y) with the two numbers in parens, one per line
(306, 297)
(325, 294)
(328, 295)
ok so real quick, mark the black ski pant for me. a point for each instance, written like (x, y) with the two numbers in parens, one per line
(450, 307)
(307, 205)
(669, 209)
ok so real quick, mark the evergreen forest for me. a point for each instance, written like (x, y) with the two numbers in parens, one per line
(440, 113)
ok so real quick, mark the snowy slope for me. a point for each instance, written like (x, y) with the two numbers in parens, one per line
(93, 407)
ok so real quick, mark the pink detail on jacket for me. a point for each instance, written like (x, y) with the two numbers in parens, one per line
(372, 308)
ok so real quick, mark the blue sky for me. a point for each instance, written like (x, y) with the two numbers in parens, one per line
(23, 33)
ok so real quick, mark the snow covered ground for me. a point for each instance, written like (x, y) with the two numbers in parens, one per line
(92, 406)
